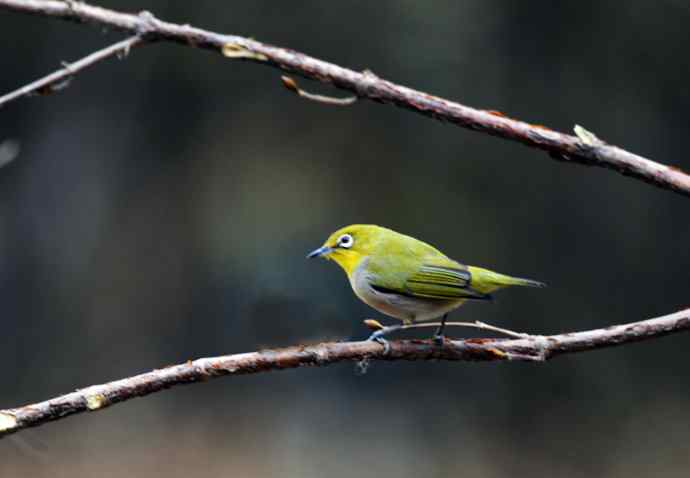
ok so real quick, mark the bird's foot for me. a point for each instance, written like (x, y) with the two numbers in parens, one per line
(378, 336)
(375, 336)
(386, 344)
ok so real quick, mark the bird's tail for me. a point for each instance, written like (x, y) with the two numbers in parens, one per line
(523, 282)
(488, 281)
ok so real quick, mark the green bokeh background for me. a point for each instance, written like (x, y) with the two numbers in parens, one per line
(162, 206)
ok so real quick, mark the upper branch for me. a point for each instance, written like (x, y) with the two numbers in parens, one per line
(583, 148)
(533, 349)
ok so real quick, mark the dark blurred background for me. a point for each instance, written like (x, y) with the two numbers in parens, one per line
(161, 208)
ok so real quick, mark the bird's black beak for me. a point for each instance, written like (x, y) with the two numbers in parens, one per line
(320, 252)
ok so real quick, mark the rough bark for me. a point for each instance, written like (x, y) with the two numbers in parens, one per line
(584, 148)
(530, 349)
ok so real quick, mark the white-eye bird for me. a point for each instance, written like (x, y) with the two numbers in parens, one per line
(406, 278)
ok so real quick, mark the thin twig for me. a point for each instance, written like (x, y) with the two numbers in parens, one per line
(61, 78)
(475, 325)
(292, 85)
(531, 349)
(385, 330)
(367, 85)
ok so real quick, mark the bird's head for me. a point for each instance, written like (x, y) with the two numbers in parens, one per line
(349, 245)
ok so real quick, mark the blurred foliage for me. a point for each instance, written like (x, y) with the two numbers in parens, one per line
(161, 207)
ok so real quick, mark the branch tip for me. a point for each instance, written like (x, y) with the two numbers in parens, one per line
(8, 422)
(291, 85)
(373, 324)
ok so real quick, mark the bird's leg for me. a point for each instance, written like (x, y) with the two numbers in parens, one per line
(380, 333)
(438, 336)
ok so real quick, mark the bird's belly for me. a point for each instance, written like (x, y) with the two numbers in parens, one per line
(399, 306)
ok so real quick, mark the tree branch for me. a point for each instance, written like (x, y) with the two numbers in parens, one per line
(576, 149)
(60, 78)
(584, 148)
(532, 349)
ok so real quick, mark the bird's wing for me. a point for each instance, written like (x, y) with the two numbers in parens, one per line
(435, 278)
(443, 282)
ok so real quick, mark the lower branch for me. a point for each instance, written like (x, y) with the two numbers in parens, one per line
(532, 349)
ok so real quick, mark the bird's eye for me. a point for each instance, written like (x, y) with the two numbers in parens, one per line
(345, 241)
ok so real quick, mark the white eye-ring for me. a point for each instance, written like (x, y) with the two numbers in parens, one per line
(345, 241)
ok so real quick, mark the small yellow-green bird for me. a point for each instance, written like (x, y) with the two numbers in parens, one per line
(406, 278)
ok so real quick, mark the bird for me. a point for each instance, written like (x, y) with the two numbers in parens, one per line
(408, 279)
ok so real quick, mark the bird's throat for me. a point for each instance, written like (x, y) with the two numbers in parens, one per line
(348, 260)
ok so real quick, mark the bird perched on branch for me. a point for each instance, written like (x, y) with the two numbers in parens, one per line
(406, 278)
